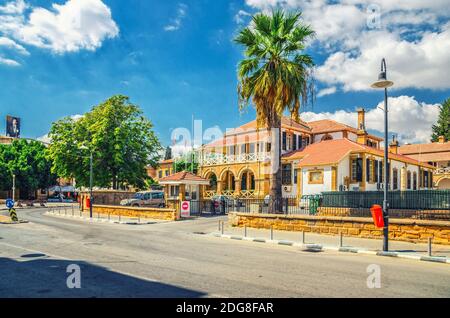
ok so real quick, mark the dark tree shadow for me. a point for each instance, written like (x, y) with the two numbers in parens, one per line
(46, 278)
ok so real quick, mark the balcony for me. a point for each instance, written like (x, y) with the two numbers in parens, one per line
(213, 159)
(442, 171)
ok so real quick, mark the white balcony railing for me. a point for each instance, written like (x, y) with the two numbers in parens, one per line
(443, 170)
(212, 159)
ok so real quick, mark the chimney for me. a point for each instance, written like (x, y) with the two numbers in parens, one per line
(393, 146)
(441, 139)
(362, 133)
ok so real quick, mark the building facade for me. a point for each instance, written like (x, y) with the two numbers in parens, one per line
(436, 154)
(317, 156)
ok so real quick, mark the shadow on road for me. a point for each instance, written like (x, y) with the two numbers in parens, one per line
(46, 278)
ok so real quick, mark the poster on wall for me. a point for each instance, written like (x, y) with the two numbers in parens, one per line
(12, 126)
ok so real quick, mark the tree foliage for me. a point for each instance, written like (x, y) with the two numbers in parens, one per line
(28, 161)
(442, 127)
(120, 138)
(275, 74)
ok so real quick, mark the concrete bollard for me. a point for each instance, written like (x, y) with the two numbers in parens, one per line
(341, 240)
(245, 231)
(429, 246)
(271, 232)
(222, 228)
(303, 237)
(219, 226)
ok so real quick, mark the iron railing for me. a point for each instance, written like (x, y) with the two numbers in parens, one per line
(408, 200)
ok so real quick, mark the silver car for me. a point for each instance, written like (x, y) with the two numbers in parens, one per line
(146, 199)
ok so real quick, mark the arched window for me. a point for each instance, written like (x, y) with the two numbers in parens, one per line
(327, 137)
(408, 180)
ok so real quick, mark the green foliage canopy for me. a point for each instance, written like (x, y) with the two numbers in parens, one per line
(28, 161)
(120, 138)
(442, 127)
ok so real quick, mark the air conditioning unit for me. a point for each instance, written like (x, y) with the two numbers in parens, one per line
(287, 188)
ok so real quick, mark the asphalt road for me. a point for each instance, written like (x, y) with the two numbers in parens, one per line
(171, 260)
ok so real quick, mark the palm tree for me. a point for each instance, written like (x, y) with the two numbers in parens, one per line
(276, 76)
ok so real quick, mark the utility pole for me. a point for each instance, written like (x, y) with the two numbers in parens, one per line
(90, 184)
(13, 186)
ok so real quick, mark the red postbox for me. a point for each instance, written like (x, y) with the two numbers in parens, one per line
(377, 215)
(88, 202)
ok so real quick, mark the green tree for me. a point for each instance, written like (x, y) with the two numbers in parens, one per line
(275, 75)
(442, 127)
(168, 154)
(120, 138)
(28, 161)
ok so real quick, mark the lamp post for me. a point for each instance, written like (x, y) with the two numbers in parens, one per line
(14, 187)
(90, 179)
(384, 83)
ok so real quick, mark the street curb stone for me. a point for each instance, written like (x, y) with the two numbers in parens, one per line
(344, 249)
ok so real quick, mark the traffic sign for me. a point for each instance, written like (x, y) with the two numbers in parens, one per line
(9, 203)
(185, 209)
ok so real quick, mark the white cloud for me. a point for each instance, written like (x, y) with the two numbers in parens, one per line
(421, 64)
(327, 91)
(70, 27)
(239, 17)
(11, 44)
(408, 118)
(413, 35)
(14, 7)
(8, 62)
(176, 23)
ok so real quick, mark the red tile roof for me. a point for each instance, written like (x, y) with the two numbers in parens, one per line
(183, 177)
(333, 151)
(329, 125)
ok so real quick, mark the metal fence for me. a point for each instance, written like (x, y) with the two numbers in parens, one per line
(407, 200)
(286, 205)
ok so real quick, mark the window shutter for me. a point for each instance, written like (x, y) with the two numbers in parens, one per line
(359, 169)
(284, 140)
(294, 142)
(367, 169)
(376, 171)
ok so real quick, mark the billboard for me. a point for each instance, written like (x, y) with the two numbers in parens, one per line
(12, 126)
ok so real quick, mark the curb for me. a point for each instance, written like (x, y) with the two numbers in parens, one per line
(93, 219)
(344, 249)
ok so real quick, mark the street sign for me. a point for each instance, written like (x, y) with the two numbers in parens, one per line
(9, 203)
(185, 209)
(13, 215)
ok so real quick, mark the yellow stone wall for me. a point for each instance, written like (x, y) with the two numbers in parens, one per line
(144, 213)
(399, 229)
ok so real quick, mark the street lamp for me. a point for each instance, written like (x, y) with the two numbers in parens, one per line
(90, 179)
(384, 83)
(13, 186)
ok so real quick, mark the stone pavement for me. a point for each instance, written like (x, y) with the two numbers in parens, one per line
(333, 242)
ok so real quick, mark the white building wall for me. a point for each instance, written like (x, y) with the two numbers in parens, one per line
(309, 189)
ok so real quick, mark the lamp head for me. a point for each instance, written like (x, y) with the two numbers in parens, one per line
(382, 81)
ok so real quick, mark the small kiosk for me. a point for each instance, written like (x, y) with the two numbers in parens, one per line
(183, 186)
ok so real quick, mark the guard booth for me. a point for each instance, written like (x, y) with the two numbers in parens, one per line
(184, 186)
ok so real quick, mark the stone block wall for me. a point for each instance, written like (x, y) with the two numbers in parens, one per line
(409, 230)
(144, 213)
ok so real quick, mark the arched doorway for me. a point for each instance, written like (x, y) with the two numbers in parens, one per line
(444, 184)
(211, 189)
(248, 184)
(228, 181)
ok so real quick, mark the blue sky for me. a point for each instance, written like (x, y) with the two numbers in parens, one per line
(176, 59)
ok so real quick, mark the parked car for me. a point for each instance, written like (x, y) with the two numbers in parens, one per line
(223, 200)
(57, 197)
(146, 199)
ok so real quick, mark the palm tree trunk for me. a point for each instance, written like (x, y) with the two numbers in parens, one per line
(275, 192)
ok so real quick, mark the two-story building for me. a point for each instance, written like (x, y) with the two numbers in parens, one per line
(436, 154)
(317, 156)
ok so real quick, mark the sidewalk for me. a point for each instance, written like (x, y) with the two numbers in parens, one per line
(330, 242)
(75, 213)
